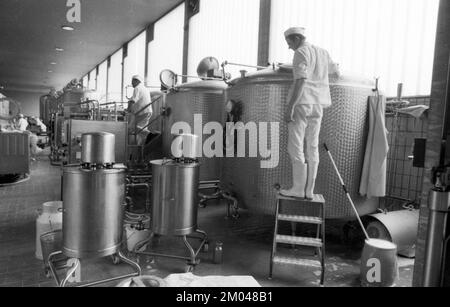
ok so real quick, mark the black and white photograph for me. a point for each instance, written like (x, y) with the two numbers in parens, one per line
(225, 149)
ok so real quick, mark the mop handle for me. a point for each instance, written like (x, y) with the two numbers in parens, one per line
(346, 192)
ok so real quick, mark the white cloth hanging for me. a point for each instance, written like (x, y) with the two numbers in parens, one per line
(373, 179)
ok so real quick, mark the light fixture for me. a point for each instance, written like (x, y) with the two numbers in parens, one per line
(53, 63)
(59, 49)
(50, 71)
(67, 28)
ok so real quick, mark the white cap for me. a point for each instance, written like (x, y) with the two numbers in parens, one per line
(295, 30)
(137, 77)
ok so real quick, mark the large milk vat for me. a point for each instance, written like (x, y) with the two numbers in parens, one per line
(262, 97)
(204, 99)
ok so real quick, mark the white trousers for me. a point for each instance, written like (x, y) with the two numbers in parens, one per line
(305, 126)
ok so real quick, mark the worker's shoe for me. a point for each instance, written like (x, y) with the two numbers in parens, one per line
(298, 181)
(311, 181)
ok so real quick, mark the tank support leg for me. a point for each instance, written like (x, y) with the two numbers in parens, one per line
(76, 264)
(52, 266)
(192, 253)
(70, 273)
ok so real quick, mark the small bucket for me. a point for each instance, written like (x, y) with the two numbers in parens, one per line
(135, 236)
(379, 267)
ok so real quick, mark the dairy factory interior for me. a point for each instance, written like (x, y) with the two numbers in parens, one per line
(224, 143)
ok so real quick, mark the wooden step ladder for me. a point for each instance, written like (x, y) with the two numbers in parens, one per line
(282, 214)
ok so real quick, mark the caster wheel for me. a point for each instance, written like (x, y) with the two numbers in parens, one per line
(115, 259)
(205, 248)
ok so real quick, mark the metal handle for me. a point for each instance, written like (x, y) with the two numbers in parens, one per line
(346, 192)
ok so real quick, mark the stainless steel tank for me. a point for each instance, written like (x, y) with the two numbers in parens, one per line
(93, 208)
(44, 109)
(344, 128)
(205, 98)
(175, 197)
(93, 201)
(98, 148)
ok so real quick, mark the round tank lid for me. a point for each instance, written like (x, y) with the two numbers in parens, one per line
(203, 85)
(283, 72)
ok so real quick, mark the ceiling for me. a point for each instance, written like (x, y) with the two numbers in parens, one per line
(30, 31)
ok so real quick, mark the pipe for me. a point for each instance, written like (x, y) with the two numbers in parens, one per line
(439, 205)
(243, 65)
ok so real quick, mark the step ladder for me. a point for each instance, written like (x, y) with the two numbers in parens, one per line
(282, 207)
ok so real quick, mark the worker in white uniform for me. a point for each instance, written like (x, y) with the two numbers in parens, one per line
(138, 120)
(22, 123)
(308, 96)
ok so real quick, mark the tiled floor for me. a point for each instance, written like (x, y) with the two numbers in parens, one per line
(246, 243)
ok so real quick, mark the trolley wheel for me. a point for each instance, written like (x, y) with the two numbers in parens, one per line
(115, 259)
(205, 248)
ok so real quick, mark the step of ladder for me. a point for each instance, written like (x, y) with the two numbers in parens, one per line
(300, 219)
(302, 241)
(297, 261)
(318, 199)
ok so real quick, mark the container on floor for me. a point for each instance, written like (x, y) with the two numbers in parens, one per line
(379, 267)
(49, 219)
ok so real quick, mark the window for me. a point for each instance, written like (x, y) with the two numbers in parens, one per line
(390, 39)
(166, 49)
(227, 30)
(85, 81)
(115, 77)
(101, 82)
(134, 63)
(92, 79)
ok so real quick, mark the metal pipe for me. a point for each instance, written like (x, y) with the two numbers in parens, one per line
(439, 205)
(149, 124)
(150, 104)
(347, 193)
(444, 263)
(52, 268)
(108, 280)
(164, 256)
(243, 65)
(69, 273)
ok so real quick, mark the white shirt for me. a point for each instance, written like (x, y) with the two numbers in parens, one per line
(141, 98)
(22, 124)
(314, 64)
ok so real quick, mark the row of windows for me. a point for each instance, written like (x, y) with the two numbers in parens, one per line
(390, 39)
